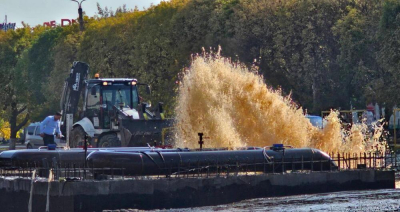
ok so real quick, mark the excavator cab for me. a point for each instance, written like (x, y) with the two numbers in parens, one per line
(107, 95)
(111, 113)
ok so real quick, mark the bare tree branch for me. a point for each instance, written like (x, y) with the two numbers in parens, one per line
(21, 110)
(20, 125)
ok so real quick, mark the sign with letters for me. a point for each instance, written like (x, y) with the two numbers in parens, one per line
(64, 22)
(7, 26)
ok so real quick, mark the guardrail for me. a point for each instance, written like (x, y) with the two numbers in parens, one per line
(366, 160)
(344, 161)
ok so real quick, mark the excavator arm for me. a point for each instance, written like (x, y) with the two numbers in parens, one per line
(73, 88)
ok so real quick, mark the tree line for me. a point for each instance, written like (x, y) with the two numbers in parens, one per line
(325, 53)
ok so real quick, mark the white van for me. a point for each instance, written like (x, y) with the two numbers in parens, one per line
(33, 139)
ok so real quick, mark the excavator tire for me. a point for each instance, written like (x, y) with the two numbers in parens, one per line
(109, 140)
(77, 137)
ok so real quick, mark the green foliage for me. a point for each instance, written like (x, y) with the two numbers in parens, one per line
(390, 16)
(14, 103)
(388, 56)
(326, 53)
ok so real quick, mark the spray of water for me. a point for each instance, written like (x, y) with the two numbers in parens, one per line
(234, 108)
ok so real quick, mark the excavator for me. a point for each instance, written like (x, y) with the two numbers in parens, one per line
(110, 112)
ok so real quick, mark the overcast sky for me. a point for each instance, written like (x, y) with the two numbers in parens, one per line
(36, 12)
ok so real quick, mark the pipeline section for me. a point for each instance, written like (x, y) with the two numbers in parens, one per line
(167, 163)
(142, 161)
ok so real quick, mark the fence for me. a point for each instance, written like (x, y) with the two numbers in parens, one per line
(377, 160)
(344, 161)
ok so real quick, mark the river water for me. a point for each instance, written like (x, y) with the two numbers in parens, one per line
(367, 200)
(370, 200)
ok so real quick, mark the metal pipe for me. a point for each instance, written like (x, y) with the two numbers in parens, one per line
(152, 161)
(132, 163)
(20, 158)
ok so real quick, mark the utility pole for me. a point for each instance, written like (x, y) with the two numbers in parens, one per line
(80, 19)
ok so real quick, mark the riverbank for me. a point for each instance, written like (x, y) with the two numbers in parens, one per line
(364, 200)
(147, 193)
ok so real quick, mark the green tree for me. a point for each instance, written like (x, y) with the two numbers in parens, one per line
(15, 100)
(40, 64)
(388, 55)
(326, 53)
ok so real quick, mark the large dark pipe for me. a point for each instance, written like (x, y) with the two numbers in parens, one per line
(44, 157)
(155, 161)
(167, 163)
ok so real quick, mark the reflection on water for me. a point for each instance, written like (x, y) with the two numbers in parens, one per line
(370, 200)
(366, 200)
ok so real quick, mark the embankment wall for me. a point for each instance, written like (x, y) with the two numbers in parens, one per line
(178, 192)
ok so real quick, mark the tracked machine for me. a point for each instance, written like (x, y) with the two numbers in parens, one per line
(110, 112)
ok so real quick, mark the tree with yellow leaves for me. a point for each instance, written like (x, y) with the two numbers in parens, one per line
(5, 129)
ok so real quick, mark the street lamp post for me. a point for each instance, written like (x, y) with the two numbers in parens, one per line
(81, 27)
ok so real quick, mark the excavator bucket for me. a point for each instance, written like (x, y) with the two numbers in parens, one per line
(145, 132)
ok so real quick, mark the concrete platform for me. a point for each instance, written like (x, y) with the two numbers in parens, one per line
(177, 193)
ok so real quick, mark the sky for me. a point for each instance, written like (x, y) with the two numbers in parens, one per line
(34, 12)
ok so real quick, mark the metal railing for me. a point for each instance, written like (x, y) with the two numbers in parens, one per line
(375, 160)
(77, 172)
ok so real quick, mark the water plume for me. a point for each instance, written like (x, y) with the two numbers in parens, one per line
(234, 108)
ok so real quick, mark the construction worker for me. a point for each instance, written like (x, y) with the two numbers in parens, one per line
(49, 127)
